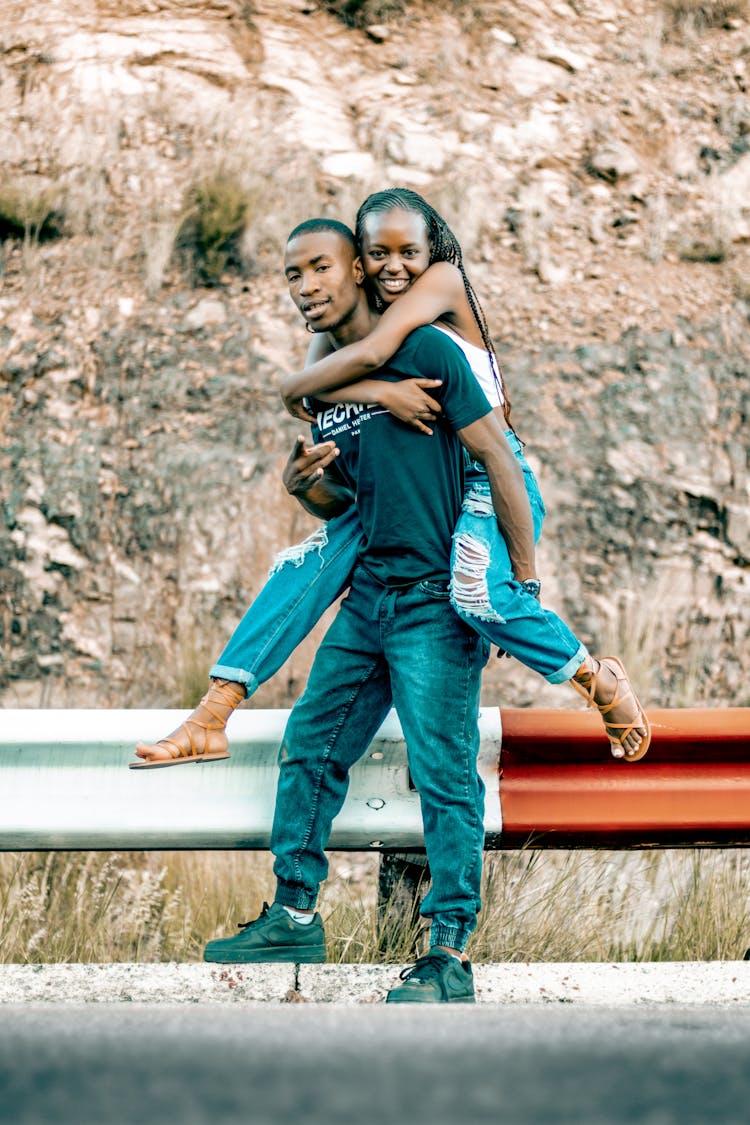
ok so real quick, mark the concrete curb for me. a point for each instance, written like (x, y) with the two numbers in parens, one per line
(693, 983)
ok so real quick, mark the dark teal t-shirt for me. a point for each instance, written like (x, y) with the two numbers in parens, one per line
(408, 486)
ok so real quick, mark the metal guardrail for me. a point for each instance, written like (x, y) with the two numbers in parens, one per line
(64, 784)
(560, 788)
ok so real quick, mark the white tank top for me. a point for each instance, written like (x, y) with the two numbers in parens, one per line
(479, 362)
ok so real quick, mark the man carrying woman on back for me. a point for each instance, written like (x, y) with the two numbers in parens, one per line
(414, 273)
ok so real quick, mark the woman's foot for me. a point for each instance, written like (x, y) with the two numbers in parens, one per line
(605, 684)
(202, 737)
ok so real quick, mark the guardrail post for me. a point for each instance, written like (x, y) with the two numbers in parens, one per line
(403, 880)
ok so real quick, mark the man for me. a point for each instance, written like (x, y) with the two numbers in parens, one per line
(395, 640)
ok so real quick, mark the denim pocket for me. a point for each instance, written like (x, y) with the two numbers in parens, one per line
(438, 590)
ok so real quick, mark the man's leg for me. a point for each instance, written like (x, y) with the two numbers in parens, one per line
(346, 700)
(436, 663)
(347, 697)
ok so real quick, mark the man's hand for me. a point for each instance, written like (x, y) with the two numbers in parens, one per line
(307, 464)
(408, 400)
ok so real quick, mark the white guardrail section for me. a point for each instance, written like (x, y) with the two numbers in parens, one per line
(64, 784)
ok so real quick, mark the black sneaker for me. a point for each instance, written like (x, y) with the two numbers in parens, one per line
(437, 978)
(274, 936)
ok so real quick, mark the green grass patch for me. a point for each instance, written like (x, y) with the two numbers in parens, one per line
(217, 210)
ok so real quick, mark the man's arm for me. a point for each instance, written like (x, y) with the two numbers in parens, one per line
(310, 475)
(485, 441)
(468, 412)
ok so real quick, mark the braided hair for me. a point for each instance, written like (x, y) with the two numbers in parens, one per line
(444, 247)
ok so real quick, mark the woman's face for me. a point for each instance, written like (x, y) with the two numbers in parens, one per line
(395, 251)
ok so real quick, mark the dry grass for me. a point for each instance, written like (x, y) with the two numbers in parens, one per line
(360, 13)
(30, 212)
(538, 906)
(99, 907)
(697, 15)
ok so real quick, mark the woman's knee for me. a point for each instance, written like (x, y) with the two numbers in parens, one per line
(476, 593)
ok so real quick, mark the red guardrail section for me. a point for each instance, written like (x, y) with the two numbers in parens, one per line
(560, 787)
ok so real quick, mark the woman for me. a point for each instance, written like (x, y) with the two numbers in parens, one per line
(414, 269)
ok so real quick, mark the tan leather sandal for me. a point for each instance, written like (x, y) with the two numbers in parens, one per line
(617, 732)
(219, 701)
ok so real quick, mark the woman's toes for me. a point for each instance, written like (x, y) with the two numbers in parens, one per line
(633, 743)
(151, 753)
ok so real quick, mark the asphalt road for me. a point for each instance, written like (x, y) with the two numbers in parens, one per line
(325, 1065)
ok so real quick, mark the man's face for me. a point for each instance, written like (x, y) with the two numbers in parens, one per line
(324, 277)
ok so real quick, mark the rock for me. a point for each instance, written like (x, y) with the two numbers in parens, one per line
(526, 75)
(127, 57)
(613, 162)
(734, 199)
(205, 314)
(500, 35)
(537, 133)
(552, 274)
(378, 32)
(317, 117)
(345, 164)
(560, 55)
(738, 528)
(408, 177)
(417, 148)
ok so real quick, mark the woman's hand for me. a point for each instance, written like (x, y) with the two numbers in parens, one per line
(408, 400)
(297, 407)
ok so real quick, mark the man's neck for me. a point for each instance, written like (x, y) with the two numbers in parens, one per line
(356, 328)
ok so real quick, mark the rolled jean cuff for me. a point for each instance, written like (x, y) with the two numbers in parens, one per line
(237, 676)
(454, 937)
(569, 670)
(294, 896)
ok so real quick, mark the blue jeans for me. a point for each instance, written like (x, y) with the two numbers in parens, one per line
(307, 578)
(304, 581)
(486, 595)
(389, 647)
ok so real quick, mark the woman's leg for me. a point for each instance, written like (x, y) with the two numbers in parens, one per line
(304, 581)
(486, 596)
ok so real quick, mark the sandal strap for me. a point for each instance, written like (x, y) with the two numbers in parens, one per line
(616, 732)
(170, 746)
(588, 690)
(227, 697)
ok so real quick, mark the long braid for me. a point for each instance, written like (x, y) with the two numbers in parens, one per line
(444, 247)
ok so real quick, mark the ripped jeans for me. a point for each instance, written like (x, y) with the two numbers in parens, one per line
(308, 577)
(485, 594)
(304, 581)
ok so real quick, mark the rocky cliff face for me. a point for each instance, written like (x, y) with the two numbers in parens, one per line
(593, 160)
